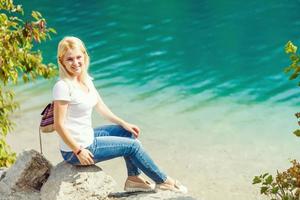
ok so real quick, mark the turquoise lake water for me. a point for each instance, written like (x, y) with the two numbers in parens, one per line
(200, 77)
(224, 48)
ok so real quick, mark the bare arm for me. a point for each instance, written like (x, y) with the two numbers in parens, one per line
(102, 109)
(60, 110)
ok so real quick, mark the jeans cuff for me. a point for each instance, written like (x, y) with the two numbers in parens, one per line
(134, 173)
(163, 178)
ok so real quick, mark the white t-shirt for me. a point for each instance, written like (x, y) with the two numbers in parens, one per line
(78, 117)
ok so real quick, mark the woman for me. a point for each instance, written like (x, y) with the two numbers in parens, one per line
(74, 98)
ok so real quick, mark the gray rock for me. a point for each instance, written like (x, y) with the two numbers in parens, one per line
(20, 196)
(29, 173)
(32, 177)
(68, 182)
(164, 195)
(2, 172)
(24, 179)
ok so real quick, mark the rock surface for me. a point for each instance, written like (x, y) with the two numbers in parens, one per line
(24, 179)
(2, 173)
(20, 196)
(33, 177)
(164, 195)
(68, 182)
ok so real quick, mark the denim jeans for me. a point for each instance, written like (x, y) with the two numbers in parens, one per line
(113, 141)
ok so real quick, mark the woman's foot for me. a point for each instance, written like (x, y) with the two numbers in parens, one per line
(138, 184)
(138, 179)
(172, 185)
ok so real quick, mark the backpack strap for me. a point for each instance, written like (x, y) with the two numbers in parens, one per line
(40, 138)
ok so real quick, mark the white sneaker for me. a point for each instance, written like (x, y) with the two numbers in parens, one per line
(177, 187)
(132, 186)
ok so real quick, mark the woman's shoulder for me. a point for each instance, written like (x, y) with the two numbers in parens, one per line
(60, 84)
(61, 91)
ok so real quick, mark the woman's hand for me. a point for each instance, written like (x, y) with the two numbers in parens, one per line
(85, 157)
(135, 130)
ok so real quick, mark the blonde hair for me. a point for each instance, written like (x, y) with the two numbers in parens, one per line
(64, 45)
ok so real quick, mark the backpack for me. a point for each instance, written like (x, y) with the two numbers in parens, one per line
(47, 121)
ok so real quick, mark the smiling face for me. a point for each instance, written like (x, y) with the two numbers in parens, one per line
(73, 62)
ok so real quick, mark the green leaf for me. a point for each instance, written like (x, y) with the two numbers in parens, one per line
(269, 179)
(52, 30)
(290, 48)
(256, 180)
(274, 190)
(297, 133)
(294, 58)
(293, 76)
(36, 15)
(264, 189)
(287, 69)
(265, 174)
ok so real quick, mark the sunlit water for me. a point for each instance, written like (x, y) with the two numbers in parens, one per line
(203, 79)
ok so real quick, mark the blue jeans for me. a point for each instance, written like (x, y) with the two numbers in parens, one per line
(113, 141)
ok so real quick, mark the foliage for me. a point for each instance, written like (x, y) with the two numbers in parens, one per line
(18, 60)
(286, 185)
(291, 50)
(297, 132)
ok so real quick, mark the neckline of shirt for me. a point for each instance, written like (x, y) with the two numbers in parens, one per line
(79, 88)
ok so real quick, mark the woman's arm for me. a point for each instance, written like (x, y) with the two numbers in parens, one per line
(60, 110)
(102, 109)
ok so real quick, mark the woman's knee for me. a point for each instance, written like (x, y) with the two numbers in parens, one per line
(124, 132)
(136, 145)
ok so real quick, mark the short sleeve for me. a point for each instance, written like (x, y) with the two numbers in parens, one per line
(61, 91)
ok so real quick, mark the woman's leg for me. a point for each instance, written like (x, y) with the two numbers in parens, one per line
(127, 149)
(105, 148)
(119, 131)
